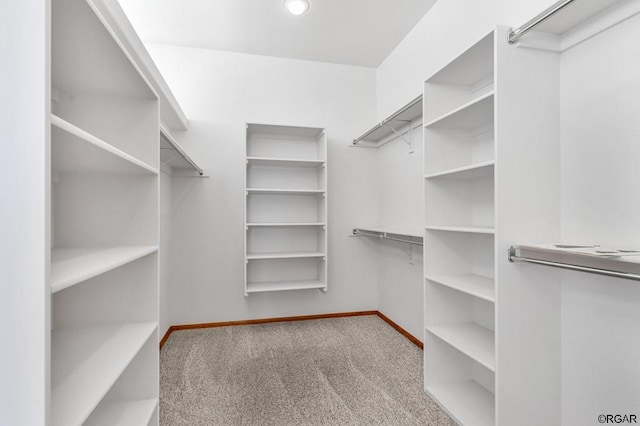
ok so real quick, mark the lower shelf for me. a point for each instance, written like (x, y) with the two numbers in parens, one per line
(471, 339)
(124, 413)
(259, 287)
(467, 403)
(86, 362)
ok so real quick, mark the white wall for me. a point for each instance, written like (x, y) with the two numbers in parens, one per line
(220, 92)
(600, 102)
(24, 213)
(400, 205)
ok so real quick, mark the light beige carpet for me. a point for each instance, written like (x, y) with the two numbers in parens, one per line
(343, 371)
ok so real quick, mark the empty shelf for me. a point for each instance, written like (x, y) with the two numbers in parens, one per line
(258, 287)
(472, 171)
(471, 339)
(469, 116)
(285, 255)
(283, 162)
(287, 224)
(86, 362)
(75, 150)
(124, 413)
(172, 154)
(475, 285)
(72, 266)
(474, 229)
(276, 191)
(382, 130)
(468, 403)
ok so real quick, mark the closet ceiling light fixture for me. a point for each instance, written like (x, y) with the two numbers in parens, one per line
(296, 7)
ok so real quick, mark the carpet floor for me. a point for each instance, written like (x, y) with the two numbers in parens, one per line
(342, 371)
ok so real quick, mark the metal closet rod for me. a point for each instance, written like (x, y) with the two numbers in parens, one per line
(609, 273)
(179, 150)
(515, 35)
(388, 119)
(383, 235)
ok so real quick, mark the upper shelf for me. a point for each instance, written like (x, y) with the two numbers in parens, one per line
(594, 259)
(118, 22)
(79, 151)
(382, 130)
(569, 22)
(172, 154)
(88, 58)
(470, 116)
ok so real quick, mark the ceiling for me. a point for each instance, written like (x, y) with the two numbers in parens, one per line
(352, 32)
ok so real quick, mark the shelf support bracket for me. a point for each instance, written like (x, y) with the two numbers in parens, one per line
(401, 135)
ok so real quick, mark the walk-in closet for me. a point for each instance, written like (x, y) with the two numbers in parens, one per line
(320, 212)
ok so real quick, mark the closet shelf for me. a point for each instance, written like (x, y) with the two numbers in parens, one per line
(466, 229)
(79, 151)
(284, 162)
(73, 266)
(277, 191)
(262, 224)
(469, 116)
(473, 171)
(409, 237)
(468, 402)
(619, 266)
(86, 362)
(400, 118)
(285, 255)
(473, 340)
(473, 284)
(172, 154)
(258, 287)
(123, 413)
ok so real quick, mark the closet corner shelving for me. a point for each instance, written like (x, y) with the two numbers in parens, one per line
(175, 158)
(285, 209)
(104, 225)
(459, 242)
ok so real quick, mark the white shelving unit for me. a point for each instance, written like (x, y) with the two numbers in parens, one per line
(459, 306)
(286, 209)
(104, 226)
(174, 157)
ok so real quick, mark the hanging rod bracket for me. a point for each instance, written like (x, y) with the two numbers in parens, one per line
(401, 135)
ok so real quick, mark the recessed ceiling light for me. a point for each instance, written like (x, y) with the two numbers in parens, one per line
(296, 7)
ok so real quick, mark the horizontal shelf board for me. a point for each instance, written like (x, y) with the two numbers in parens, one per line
(285, 255)
(390, 231)
(123, 413)
(473, 340)
(469, 116)
(278, 191)
(75, 150)
(473, 171)
(466, 229)
(283, 162)
(468, 403)
(86, 362)
(256, 224)
(259, 287)
(173, 155)
(73, 266)
(473, 284)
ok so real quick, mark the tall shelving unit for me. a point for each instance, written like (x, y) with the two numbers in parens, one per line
(104, 226)
(286, 209)
(460, 227)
